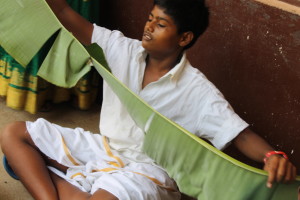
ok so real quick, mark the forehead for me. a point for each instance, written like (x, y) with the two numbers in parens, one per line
(159, 13)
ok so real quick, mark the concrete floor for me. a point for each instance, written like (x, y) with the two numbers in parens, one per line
(64, 115)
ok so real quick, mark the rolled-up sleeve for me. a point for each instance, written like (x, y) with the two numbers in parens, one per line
(219, 123)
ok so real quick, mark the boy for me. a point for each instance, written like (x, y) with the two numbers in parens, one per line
(111, 165)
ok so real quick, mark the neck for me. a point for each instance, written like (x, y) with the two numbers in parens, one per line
(162, 64)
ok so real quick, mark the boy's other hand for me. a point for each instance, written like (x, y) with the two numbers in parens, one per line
(279, 170)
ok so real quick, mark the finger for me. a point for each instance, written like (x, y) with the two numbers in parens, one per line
(282, 168)
(271, 169)
(289, 173)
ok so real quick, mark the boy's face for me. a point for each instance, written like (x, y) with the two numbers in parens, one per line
(160, 34)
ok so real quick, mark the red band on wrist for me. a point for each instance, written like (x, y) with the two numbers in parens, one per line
(270, 153)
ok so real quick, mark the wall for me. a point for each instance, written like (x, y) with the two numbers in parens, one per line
(251, 52)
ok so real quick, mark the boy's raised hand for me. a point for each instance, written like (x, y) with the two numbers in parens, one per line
(75, 23)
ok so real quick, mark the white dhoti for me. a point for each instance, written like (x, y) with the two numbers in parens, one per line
(92, 165)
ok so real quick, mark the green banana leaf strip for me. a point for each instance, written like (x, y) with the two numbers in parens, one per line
(19, 35)
(199, 169)
(66, 62)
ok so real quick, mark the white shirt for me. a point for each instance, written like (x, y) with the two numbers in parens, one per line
(184, 95)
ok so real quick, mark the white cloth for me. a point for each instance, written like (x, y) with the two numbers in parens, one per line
(93, 165)
(184, 95)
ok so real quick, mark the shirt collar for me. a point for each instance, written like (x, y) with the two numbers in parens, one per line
(176, 71)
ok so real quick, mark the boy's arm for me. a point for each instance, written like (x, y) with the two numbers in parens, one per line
(255, 147)
(76, 24)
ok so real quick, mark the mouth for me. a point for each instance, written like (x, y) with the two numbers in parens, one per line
(147, 36)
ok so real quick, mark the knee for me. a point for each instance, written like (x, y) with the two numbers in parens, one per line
(12, 132)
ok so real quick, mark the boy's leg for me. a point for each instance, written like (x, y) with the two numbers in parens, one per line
(27, 161)
(30, 166)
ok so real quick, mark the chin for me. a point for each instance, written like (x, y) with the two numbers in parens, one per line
(148, 47)
(144, 45)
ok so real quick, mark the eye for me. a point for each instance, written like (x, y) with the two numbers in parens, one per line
(161, 25)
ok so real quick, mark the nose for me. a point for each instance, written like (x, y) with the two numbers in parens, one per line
(150, 26)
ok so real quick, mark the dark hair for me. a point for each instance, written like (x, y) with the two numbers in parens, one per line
(188, 15)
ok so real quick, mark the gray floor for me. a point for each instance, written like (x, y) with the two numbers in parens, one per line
(64, 115)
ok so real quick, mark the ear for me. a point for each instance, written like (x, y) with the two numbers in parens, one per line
(186, 38)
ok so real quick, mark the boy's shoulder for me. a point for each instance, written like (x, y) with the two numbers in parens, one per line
(193, 78)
